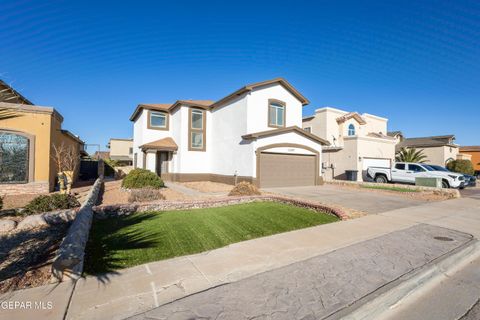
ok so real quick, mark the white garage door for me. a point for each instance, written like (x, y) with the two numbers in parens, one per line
(375, 162)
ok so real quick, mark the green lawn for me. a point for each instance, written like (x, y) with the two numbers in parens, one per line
(123, 242)
(397, 189)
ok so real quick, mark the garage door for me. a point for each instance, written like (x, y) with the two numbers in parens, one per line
(285, 170)
(375, 162)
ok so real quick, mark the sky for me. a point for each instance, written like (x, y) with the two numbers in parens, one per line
(416, 63)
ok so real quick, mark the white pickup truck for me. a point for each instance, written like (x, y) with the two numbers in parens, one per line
(405, 172)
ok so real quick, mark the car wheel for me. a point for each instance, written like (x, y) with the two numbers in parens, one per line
(445, 184)
(380, 179)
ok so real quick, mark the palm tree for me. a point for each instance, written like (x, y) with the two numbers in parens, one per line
(410, 155)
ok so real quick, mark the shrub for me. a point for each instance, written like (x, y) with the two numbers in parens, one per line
(46, 203)
(141, 178)
(461, 166)
(244, 189)
(145, 194)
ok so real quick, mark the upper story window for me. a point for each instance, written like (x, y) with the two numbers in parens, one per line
(157, 120)
(351, 130)
(276, 113)
(130, 150)
(197, 130)
(308, 129)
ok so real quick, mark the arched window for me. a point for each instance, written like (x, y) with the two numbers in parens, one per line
(351, 130)
(15, 165)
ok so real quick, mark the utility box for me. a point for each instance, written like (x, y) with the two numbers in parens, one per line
(428, 182)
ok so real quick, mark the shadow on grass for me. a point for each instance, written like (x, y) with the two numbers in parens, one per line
(111, 235)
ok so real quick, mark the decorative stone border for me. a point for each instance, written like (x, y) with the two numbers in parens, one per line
(107, 211)
(71, 254)
(448, 193)
(36, 220)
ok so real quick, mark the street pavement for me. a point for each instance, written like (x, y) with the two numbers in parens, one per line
(321, 286)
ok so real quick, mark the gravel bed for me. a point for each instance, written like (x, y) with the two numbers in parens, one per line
(26, 256)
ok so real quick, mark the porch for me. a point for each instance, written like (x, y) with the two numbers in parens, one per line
(157, 156)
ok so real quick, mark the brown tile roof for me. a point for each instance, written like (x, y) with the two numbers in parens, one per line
(165, 144)
(204, 104)
(469, 148)
(254, 136)
(350, 115)
(380, 135)
(425, 142)
(394, 133)
(250, 87)
(207, 104)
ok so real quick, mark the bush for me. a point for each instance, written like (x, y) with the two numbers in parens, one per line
(244, 189)
(46, 203)
(141, 178)
(145, 194)
(461, 166)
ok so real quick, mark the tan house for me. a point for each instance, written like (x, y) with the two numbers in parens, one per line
(28, 134)
(438, 149)
(121, 150)
(357, 141)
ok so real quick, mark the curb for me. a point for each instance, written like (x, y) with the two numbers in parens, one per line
(377, 303)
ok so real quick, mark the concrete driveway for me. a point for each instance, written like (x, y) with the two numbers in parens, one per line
(362, 200)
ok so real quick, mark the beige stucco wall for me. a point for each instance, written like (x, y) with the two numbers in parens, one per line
(440, 155)
(354, 151)
(120, 147)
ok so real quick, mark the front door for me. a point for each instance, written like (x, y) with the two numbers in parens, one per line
(162, 163)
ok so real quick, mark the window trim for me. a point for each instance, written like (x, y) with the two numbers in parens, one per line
(284, 105)
(167, 121)
(308, 129)
(351, 125)
(191, 130)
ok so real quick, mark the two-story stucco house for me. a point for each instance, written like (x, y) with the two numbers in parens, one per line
(357, 141)
(253, 134)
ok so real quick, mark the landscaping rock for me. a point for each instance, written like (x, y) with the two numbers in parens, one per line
(7, 225)
(60, 216)
(33, 221)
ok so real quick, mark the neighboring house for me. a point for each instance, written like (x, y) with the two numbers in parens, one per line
(253, 134)
(474, 152)
(121, 150)
(27, 139)
(438, 149)
(101, 155)
(357, 141)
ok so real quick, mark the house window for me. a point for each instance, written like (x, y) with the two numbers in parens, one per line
(14, 158)
(308, 129)
(197, 130)
(130, 150)
(351, 130)
(276, 114)
(158, 120)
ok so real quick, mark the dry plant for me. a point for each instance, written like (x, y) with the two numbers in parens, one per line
(67, 159)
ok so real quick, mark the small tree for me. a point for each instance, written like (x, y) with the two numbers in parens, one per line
(66, 158)
(411, 155)
(461, 166)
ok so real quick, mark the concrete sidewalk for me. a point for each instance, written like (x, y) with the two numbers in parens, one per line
(138, 289)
